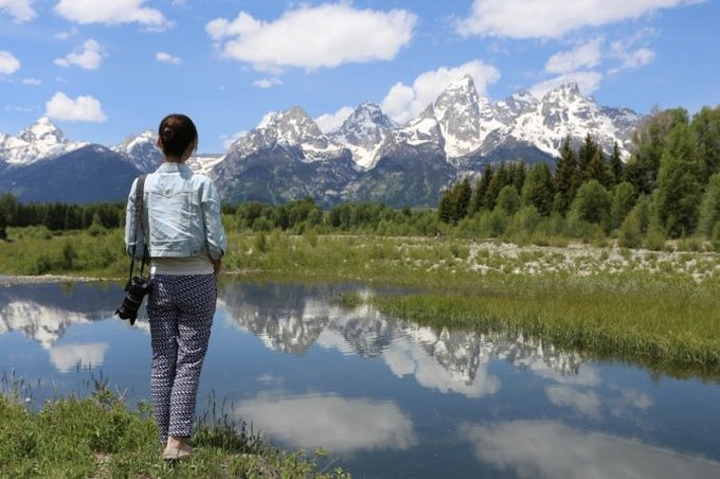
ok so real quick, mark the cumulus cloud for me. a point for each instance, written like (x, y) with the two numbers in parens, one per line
(587, 81)
(20, 10)
(32, 81)
(82, 108)
(8, 63)
(265, 83)
(313, 37)
(163, 57)
(341, 424)
(404, 102)
(111, 12)
(553, 18)
(88, 57)
(632, 52)
(586, 55)
(552, 449)
(332, 121)
(66, 357)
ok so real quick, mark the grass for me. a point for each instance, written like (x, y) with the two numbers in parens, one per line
(657, 308)
(98, 437)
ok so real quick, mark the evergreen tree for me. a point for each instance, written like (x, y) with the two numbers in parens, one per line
(499, 180)
(461, 195)
(585, 156)
(597, 169)
(538, 189)
(477, 202)
(508, 200)
(616, 167)
(678, 192)
(517, 172)
(445, 208)
(566, 177)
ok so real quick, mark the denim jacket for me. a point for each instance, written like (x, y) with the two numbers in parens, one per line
(181, 214)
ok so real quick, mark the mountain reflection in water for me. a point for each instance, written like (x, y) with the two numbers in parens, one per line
(389, 398)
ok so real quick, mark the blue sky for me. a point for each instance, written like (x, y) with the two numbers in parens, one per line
(104, 70)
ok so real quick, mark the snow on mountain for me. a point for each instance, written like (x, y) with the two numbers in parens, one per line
(204, 164)
(363, 132)
(40, 140)
(291, 128)
(141, 150)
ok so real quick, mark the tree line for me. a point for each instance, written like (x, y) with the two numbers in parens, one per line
(669, 187)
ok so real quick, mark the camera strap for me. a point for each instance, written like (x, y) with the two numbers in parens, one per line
(139, 224)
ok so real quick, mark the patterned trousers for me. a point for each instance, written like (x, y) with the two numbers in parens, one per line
(180, 310)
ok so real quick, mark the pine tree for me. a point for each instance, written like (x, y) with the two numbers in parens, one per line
(585, 156)
(678, 192)
(461, 195)
(616, 167)
(566, 177)
(710, 209)
(538, 189)
(597, 169)
(477, 201)
(445, 209)
(499, 180)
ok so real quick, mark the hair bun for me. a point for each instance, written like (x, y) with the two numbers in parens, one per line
(168, 134)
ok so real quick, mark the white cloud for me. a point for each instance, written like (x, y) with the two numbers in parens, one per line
(111, 12)
(339, 424)
(88, 57)
(403, 102)
(265, 83)
(8, 63)
(553, 18)
(584, 56)
(586, 402)
(82, 108)
(20, 10)
(66, 357)
(551, 449)
(163, 57)
(332, 121)
(32, 81)
(314, 37)
(587, 81)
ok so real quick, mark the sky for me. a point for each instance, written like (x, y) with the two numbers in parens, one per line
(104, 70)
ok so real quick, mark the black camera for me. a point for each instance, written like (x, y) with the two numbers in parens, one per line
(135, 291)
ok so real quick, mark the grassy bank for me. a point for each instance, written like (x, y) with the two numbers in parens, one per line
(657, 308)
(99, 437)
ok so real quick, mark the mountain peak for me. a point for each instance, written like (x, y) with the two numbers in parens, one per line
(43, 131)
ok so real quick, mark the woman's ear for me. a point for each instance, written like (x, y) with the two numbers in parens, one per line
(159, 144)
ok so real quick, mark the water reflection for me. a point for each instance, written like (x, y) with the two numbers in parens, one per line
(549, 449)
(391, 398)
(344, 425)
(292, 319)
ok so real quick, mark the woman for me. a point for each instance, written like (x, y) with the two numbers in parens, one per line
(186, 242)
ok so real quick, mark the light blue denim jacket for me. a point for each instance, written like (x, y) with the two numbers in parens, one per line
(182, 215)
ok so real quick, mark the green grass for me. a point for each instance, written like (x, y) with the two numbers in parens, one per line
(657, 308)
(99, 437)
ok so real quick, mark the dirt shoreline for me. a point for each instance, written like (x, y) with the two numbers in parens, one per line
(10, 280)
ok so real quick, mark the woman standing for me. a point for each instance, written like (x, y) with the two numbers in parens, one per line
(186, 242)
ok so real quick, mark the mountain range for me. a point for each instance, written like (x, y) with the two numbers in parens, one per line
(368, 158)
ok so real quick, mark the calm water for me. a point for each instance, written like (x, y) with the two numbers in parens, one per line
(387, 398)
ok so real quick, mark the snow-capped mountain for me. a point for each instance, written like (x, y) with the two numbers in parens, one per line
(369, 158)
(363, 132)
(38, 141)
(142, 151)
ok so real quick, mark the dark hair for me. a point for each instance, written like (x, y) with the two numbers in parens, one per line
(176, 132)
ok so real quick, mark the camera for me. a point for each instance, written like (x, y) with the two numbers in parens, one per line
(135, 291)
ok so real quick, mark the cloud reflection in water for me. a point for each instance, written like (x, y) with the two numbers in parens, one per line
(341, 424)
